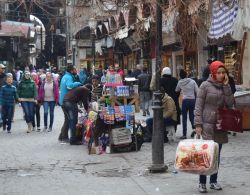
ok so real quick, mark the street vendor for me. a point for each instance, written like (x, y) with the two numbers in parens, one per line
(79, 95)
(97, 88)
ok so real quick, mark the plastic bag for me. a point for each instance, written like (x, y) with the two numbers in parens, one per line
(197, 156)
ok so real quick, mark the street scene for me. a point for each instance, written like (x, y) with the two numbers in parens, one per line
(38, 163)
(124, 97)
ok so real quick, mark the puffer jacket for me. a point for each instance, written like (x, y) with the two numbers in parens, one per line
(211, 96)
(169, 109)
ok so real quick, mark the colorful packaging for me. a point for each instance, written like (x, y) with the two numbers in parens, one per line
(197, 156)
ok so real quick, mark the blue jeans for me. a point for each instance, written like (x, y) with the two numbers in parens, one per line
(213, 178)
(149, 122)
(7, 112)
(71, 111)
(49, 107)
(28, 108)
(145, 100)
(187, 107)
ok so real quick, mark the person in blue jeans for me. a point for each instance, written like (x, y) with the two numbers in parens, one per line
(49, 95)
(8, 97)
(189, 89)
(27, 95)
(79, 95)
(169, 117)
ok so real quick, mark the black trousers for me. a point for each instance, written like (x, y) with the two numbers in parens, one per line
(65, 127)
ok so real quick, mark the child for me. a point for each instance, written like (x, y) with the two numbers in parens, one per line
(8, 96)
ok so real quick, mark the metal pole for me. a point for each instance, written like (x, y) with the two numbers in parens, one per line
(74, 58)
(158, 127)
(93, 49)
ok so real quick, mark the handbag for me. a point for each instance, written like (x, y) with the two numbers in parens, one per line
(229, 120)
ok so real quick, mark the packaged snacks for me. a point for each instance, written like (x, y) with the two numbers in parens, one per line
(197, 156)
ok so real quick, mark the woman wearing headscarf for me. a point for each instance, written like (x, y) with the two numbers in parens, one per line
(36, 123)
(214, 93)
(27, 94)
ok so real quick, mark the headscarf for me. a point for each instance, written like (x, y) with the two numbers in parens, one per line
(214, 66)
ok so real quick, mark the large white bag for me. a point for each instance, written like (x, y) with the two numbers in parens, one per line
(197, 156)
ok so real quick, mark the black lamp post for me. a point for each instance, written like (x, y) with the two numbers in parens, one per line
(92, 26)
(158, 127)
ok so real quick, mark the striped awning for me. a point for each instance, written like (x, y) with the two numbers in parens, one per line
(224, 14)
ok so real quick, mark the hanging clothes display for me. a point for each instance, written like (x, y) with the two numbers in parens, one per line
(223, 18)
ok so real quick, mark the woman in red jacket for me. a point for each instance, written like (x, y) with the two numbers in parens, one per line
(49, 96)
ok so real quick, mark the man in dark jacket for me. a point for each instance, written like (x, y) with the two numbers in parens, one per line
(137, 71)
(144, 80)
(169, 83)
(70, 101)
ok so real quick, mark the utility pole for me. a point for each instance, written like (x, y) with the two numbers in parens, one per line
(158, 126)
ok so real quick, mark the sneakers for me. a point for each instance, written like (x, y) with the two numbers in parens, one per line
(49, 129)
(8, 131)
(29, 127)
(144, 113)
(148, 113)
(45, 129)
(38, 129)
(202, 188)
(215, 186)
(183, 137)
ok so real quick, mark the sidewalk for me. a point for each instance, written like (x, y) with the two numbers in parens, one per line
(38, 164)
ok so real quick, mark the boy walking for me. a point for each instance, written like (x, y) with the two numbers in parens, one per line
(8, 96)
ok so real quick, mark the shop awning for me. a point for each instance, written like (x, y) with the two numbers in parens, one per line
(15, 29)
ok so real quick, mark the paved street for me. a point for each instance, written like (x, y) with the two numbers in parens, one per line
(37, 164)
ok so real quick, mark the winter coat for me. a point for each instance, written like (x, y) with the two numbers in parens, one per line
(2, 79)
(144, 82)
(211, 96)
(67, 83)
(169, 83)
(27, 89)
(169, 109)
(188, 87)
(42, 92)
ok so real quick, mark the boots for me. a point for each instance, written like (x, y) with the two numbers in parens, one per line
(29, 127)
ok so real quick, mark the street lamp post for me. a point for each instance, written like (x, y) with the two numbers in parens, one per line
(158, 126)
(92, 25)
(73, 42)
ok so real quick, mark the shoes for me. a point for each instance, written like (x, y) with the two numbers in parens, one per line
(66, 140)
(234, 134)
(148, 113)
(45, 129)
(144, 113)
(29, 127)
(215, 186)
(49, 129)
(33, 128)
(8, 131)
(183, 137)
(193, 134)
(76, 143)
(202, 188)
(38, 129)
